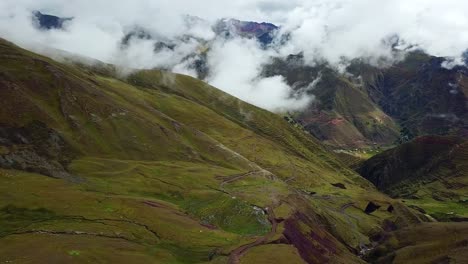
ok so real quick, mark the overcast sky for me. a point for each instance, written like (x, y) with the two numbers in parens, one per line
(328, 29)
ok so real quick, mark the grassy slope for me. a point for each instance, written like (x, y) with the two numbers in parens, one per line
(421, 95)
(343, 115)
(425, 243)
(361, 114)
(430, 172)
(168, 169)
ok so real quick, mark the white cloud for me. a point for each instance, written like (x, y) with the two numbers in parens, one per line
(236, 66)
(322, 29)
(333, 29)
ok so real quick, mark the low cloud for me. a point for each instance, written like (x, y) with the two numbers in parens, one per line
(331, 30)
(236, 66)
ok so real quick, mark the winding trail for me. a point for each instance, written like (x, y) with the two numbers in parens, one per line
(236, 177)
(362, 243)
(236, 254)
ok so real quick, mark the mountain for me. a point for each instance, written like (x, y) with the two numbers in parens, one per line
(422, 94)
(425, 243)
(343, 115)
(263, 32)
(363, 106)
(223, 28)
(197, 61)
(369, 105)
(48, 22)
(430, 172)
(160, 167)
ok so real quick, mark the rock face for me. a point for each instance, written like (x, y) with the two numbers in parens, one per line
(48, 22)
(35, 148)
(263, 32)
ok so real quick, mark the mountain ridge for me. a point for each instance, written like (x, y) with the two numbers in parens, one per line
(171, 168)
(166, 168)
(428, 172)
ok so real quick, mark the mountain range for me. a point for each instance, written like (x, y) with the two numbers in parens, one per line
(169, 167)
(369, 105)
(158, 167)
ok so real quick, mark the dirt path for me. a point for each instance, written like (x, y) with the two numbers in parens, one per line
(236, 177)
(345, 206)
(352, 224)
(362, 243)
(236, 254)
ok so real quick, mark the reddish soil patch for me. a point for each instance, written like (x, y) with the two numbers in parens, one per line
(314, 246)
(336, 121)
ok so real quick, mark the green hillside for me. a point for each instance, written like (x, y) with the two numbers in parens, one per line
(429, 172)
(342, 115)
(364, 106)
(162, 168)
(421, 95)
(424, 243)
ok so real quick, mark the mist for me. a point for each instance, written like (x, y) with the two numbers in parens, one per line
(331, 30)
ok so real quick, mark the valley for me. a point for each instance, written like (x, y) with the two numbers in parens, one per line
(165, 168)
(150, 166)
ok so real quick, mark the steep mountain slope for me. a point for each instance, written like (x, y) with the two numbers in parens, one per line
(262, 32)
(197, 60)
(430, 172)
(370, 105)
(420, 93)
(358, 106)
(343, 115)
(163, 168)
(425, 243)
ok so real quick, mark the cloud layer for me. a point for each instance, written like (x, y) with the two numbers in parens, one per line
(321, 29)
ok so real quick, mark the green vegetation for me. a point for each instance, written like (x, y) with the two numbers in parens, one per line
(74, 252)
(163, 168)
(429, 172)
(425, 243)
(344, 115)
(273, 254)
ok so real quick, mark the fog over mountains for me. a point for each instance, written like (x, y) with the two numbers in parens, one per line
(237, 132)
(212, 40)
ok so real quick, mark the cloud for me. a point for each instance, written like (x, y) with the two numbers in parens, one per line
(356, 28)
(322, 29)
(237, 64)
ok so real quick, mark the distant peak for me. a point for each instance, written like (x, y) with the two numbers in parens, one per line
(262, 31)
(48, 22)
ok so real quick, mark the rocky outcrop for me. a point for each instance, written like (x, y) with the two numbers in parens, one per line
(35, 148)
(48, 22)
